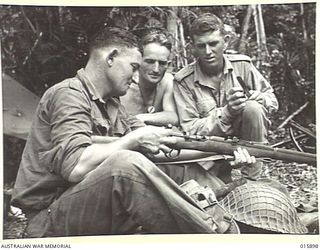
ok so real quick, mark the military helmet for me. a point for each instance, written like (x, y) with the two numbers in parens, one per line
(265, 207)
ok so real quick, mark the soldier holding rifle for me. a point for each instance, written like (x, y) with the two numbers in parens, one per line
(222, 95)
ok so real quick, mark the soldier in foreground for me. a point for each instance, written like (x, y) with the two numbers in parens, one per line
(151, 98)
(210, 95)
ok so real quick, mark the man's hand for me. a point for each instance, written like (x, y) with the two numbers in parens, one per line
(241, 158)
(152, 139)
(256, 95)
(141, 117)
(236, 100)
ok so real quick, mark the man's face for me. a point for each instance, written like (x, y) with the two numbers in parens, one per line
(209, 48)
(154, 63)
(124, 70)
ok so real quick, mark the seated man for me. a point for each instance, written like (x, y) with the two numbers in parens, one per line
(209, 95)
(75, 179)
(151, 98)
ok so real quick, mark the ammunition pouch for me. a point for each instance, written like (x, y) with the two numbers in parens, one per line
(207, 200)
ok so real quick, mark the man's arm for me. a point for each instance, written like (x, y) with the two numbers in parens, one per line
(147, 139)
(169, 114)
(74, 152)
(218, 121)
(261, 90)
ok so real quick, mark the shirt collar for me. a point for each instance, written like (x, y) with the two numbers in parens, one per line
(90, 86)
(203, 79)
(111, 105)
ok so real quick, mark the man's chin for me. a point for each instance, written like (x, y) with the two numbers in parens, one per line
(209, 63)
(154, 80)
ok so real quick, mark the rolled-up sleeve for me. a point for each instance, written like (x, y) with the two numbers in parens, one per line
(71, 129)
(261, 84)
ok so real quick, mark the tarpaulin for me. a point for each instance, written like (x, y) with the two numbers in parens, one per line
(19, 105)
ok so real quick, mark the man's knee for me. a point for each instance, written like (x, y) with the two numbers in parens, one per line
(253, 110)
(124, 159)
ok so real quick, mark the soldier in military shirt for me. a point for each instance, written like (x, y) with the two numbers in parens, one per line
(209, 97)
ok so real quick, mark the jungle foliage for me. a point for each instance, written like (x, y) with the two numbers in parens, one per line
(42, 45)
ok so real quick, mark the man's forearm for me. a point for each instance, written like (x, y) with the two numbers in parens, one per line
(96, 153)
(159, 118)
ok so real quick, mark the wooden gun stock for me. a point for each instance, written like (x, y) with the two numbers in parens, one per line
(227, 147)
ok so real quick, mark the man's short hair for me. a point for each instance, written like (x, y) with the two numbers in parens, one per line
(111, 36)
(154, 35)
(206, 22)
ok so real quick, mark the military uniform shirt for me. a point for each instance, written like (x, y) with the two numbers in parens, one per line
(202, 108)
(68, 114)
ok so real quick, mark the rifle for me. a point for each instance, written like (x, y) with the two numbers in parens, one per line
(228, 146)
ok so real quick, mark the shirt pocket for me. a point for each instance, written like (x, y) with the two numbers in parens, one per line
(205, 106)
(121, 127)
(101, 126)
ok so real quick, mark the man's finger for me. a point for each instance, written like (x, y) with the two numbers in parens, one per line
(254, 95)
(153, 149)
(242, 155)
(247, 156)
(168, 140)
(234, 90)
(237, 101)
(253, 160)
(165, 149)
(237, 158)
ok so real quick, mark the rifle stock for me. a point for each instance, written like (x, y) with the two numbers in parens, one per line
(222, 146)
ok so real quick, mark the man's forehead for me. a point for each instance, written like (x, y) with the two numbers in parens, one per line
(155, 49)
(207, 37)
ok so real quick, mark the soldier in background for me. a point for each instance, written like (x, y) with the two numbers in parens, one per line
(208, 93)
(151, 98)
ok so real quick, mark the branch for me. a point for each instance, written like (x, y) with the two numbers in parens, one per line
(298, 111)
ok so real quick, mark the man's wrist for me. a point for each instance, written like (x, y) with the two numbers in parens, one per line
(227, 116)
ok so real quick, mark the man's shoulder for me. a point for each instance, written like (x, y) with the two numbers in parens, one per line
(63, 89)
(71, 83)
(237, 58)
(167, 79)
(184, 72)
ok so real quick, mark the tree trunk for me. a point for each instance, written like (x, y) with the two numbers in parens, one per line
(183, 56)
(262, 51)
(303, 23)
(245, 28)
(172, 27)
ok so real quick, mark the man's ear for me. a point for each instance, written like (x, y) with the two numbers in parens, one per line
(111, 55)
(227, 39)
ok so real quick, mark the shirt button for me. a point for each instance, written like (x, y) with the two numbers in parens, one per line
(49, 211)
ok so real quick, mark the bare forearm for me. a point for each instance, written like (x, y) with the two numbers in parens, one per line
(159, 118)
(96, 153)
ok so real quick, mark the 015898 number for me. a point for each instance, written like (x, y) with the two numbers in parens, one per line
(309, 246)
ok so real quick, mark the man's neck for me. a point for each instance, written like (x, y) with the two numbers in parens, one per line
(212, 71)
(98, 81)
(146, 86)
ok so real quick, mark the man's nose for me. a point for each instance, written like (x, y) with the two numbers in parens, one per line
(208, 49)
(135, 76)
(156, 67)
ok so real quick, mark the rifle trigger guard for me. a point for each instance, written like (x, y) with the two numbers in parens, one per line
(170, 154)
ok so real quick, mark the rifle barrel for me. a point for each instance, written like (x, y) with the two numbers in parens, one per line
(221, 146)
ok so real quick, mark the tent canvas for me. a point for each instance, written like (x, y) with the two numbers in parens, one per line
(19, 105)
